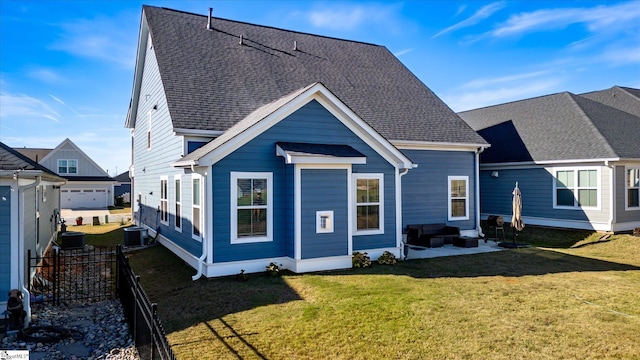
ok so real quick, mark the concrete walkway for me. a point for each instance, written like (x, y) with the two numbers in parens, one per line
(450, 250)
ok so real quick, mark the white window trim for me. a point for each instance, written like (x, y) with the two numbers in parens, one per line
(178, 178)
(354, 181)
(193, 206)
(450, 198)
(234, 206)
(626, 189)
(67, 166)
(164, 179)
(575, 170)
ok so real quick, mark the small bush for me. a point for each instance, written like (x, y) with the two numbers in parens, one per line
(360, 260)
(273, 269)
(387, 258)
(242, 277)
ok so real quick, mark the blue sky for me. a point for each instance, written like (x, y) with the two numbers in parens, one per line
(66, 67)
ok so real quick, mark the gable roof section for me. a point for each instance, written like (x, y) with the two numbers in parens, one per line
(268, 115)
(558, 127)
(123, 178)
(197, 65)
(67, 143)
(621, 98)
(11, 160)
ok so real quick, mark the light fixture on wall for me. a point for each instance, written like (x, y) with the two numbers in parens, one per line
(494, 174)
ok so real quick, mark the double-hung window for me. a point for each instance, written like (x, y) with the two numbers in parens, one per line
(178, 203)
(576, 188)
(458, 198)
(251, 207)
(67, 166)
(633, 188)
(369, 203)
(164, 200)
(196, 200)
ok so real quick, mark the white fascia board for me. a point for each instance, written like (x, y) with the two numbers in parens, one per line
(442, 146)
(530, 164)
(352, 121)
(330, 102)
(137, 77)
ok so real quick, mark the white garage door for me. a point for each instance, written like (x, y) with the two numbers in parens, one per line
(84, 199)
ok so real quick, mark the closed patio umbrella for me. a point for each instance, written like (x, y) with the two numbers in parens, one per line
(516, 220)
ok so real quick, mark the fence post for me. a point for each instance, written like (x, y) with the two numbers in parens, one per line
(135, 310)
(56, 286)
(154, 321)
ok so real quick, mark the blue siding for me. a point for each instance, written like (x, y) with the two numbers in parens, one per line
(5, 241)
(425, 188)
(536, 186)
(324, 190)
(311, 123)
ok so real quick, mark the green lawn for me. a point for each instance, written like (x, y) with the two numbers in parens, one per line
(575, 298)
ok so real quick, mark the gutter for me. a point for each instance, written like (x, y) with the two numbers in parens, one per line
(21, 265)
(477, 191)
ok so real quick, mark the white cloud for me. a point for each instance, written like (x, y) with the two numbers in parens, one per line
(46, 75)
(102, 39)
(485, 12)
(467, 100)
(595, 19)
(25, 106)
(349, 17)
(483, 82)
(402, 52)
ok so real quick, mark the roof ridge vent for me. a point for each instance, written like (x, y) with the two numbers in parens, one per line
(209, 26)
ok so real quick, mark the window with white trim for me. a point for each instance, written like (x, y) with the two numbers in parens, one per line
(178, 202)
(164, 200)
(251, 207)
(196, 201)
(458, 197)
(369, 203)
(576, 188)
(67, 166)
(633, 188)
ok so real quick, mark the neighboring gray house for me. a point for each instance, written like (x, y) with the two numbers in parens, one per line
(88, 185)
(576, 158)
(253, 144)
(123, 185)
(29, 214)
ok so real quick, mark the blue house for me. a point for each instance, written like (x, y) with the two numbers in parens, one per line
(576, 159)
(253, 144)
(29, 213)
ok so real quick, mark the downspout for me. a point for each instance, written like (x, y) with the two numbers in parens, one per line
(612, 195)
(204, 238)
(399, 206)
(21, 268)
(477, 170)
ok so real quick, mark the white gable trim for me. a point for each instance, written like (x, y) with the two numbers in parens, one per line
(67, 141)
(330, 102)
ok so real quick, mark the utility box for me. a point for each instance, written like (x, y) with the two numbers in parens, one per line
(135, 235)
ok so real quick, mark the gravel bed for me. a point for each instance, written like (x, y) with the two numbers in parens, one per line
(91, 331)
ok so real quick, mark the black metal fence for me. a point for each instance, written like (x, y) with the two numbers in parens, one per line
(71, 276)
(148, 333)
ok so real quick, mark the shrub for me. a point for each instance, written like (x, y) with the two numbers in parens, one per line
(273, 269)
(360, 260)
(387, 258)
(241, 276)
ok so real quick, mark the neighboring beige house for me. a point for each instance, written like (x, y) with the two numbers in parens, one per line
(88, 185)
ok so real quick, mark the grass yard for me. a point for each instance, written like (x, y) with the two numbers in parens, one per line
(577, 297)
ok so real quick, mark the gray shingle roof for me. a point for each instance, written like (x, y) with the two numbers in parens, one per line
(621, 98)
(10, 159)
(212, 82)
(561, 126)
